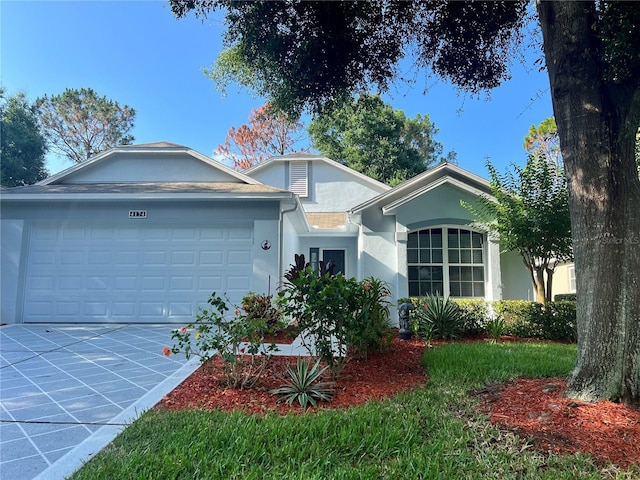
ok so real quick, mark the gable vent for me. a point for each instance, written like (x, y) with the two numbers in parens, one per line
(299, 178)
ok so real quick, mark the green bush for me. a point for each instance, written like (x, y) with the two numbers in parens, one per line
(370, 329)
(323, 306)
(336, 314)
(565, 297)
(554, 321)
(475, 313)
(515, 314)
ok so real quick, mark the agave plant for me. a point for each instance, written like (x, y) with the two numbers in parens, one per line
(303, 384)
(440, 316)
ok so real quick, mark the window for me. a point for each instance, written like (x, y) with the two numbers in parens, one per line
(298, 178)
(446, 261)
(572, 279)
(338, 257)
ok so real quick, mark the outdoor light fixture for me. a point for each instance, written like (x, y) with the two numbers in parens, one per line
(405, 329)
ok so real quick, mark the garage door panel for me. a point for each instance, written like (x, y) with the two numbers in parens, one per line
(68, 308)
(157, 259)
(129, 273)
(124, 309)
(212, 234)
(183, 259)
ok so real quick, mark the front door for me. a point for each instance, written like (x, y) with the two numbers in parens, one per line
(337, 256)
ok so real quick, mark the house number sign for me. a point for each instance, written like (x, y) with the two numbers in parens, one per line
(137, 214)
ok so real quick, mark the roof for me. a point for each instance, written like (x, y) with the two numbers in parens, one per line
(157, 148)
(306, 156)
(110, 190)
(444, 173)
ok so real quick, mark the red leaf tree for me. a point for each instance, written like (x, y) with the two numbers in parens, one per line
(268, 133)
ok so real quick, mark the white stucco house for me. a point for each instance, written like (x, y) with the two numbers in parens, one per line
(145, 233)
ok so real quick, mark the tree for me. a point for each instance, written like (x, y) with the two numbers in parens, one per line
(543, 140)
(591, 54)
(269, 133)
(530, 215)
(79, 123)
(372, 138)
(22, 144)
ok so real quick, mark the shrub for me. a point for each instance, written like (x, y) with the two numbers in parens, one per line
(475, 313)
(324, 307)
(370, 329)
(303, 385)
(238, 342)
(554, 321)
(336, 314)
(261, 306)
(565, 297)
(439, 315)
(515, 314)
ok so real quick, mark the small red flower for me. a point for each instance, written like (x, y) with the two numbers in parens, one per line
(236, 312)
(183, 330)
(166, 351)
(242, 351)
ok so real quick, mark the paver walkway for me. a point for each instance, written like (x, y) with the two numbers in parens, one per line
(67, 390)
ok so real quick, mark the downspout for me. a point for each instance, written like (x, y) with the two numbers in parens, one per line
(356, 219)
(281, 242)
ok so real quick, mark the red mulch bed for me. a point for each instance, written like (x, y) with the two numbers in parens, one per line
(533, 408)
(382, 375)
(536, 408)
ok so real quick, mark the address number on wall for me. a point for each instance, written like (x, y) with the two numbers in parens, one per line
(137, 214)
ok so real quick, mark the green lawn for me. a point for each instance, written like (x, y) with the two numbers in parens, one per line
(429, 433)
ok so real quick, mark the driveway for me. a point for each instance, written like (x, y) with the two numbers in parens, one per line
(67, 390)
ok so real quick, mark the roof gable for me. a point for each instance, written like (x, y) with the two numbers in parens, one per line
(148, 163)
(442, 174)
(274, 162)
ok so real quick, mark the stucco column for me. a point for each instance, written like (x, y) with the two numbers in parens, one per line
(494, 274)
(402, 283)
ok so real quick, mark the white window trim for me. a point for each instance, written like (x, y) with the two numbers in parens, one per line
(445, 257)
(571, 275)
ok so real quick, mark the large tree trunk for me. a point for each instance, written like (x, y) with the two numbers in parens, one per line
(597, 120)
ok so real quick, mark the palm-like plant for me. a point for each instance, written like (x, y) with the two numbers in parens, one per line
(440, 316)
(302, 386)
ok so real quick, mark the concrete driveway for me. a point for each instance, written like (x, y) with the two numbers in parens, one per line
(67, 390)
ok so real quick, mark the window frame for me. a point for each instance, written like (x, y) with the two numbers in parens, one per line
(478, 288)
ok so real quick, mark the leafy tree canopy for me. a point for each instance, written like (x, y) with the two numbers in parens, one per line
(372, 138)
(269, 133)
(530, 215)
(22, 144)
(79, 123)
(310, 54)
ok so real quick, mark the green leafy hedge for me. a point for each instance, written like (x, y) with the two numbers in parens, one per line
(552, 321)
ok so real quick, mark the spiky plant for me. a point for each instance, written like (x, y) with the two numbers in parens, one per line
(303, 386)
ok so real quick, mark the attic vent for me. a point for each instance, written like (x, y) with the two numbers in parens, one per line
(298, 178)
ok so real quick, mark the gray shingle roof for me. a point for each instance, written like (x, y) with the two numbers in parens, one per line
(146, 188)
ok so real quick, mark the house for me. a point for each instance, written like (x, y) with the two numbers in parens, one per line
(145, 233)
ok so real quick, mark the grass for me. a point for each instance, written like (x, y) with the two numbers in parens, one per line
(432, 432)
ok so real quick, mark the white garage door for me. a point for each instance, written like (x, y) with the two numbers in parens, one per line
(133, 273)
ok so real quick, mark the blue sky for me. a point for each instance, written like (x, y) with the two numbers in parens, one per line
(137, 53)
